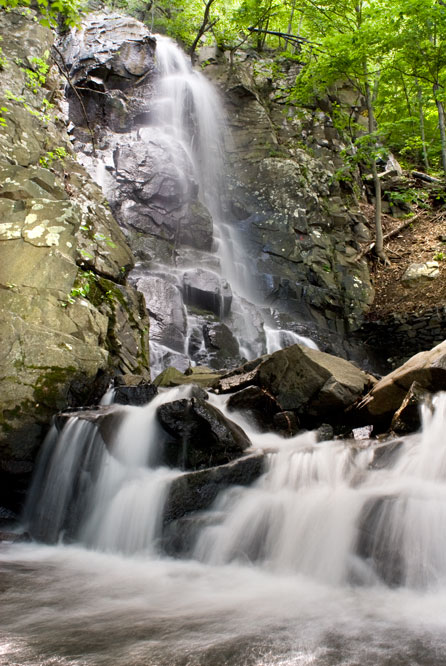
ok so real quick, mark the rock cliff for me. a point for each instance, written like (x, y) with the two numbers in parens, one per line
(69, 319)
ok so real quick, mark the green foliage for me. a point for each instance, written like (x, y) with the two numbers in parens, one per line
(66, 11)
(3, 110)
(36, 77)
(58, 153)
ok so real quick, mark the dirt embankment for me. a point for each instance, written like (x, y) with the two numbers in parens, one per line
(422, 240)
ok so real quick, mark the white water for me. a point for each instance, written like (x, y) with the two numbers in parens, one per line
(274, 577)
(280, 338)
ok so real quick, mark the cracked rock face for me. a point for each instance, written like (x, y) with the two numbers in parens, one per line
(301, 228)
(66, 315)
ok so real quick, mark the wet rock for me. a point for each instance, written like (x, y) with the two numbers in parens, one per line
(286, 423)
(200, 375)
(384, 455)
(408, 417)
(196, 491)
(324, 433)
(427, 368)
(197, 229)
(379, 544)
(221, 346)
(111, 53)
(317, 386)
(166, 310)
(14, 537)
(155, 186)
(135, 395)
(257, 405)
(202, 435)
(208, 291)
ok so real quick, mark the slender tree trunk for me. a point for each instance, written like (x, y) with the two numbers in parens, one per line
(290, 23)
(421, 121)
(441, 123)
(379, 238)
(205, 26)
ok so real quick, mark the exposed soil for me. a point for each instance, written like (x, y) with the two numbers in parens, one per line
(421, 241)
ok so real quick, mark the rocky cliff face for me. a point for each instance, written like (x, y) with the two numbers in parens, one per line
(292, 228)
(67, 315)
(301, 227)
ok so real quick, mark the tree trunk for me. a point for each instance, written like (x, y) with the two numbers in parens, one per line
(421, 121)
(441, 123)
(379, 242)
(205, 26)
(290, 23)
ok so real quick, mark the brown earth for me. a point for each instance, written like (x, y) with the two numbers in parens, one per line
(422, 240)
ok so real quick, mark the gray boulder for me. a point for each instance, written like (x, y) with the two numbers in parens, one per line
(195, 491)
(316, 386)
(427, 369)
(206, 290)
(201, 435)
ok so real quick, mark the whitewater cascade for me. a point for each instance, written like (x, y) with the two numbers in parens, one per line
(320, 510)
(333, 557)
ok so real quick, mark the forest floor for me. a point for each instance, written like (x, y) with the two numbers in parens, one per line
(420, 241)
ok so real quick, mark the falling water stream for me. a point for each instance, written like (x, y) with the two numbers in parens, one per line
(187, 126)
(276, 575)
(326, 560)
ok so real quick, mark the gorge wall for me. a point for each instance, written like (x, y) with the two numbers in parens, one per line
(69, 320)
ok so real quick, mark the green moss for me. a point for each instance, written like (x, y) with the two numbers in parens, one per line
(52, 387)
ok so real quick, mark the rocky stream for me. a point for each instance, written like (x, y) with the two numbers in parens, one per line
(254, 494)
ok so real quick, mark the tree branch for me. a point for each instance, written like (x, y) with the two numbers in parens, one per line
(391, 234)
(66, 75)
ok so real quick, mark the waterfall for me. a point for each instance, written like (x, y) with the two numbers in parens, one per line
(326, 559)
(320, 509)
(101, 483)
(203, 299)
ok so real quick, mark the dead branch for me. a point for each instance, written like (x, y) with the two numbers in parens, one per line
(391, 234)
(66, 75)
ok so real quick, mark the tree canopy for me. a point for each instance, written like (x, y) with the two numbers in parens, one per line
(394, 49)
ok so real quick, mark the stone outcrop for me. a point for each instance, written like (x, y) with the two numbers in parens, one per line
(68, 317)
(420, 273)
(200, 435)
(207, 291)
(427, 369)
(315, 386)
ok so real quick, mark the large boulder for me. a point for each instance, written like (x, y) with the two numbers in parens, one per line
(206, 290)
(316, 386)
(201, 436)
(222, 348)
(195, 491)
(427, 369)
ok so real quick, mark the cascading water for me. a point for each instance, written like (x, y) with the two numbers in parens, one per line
(291, 571)
(327, 559)
(203, 302)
